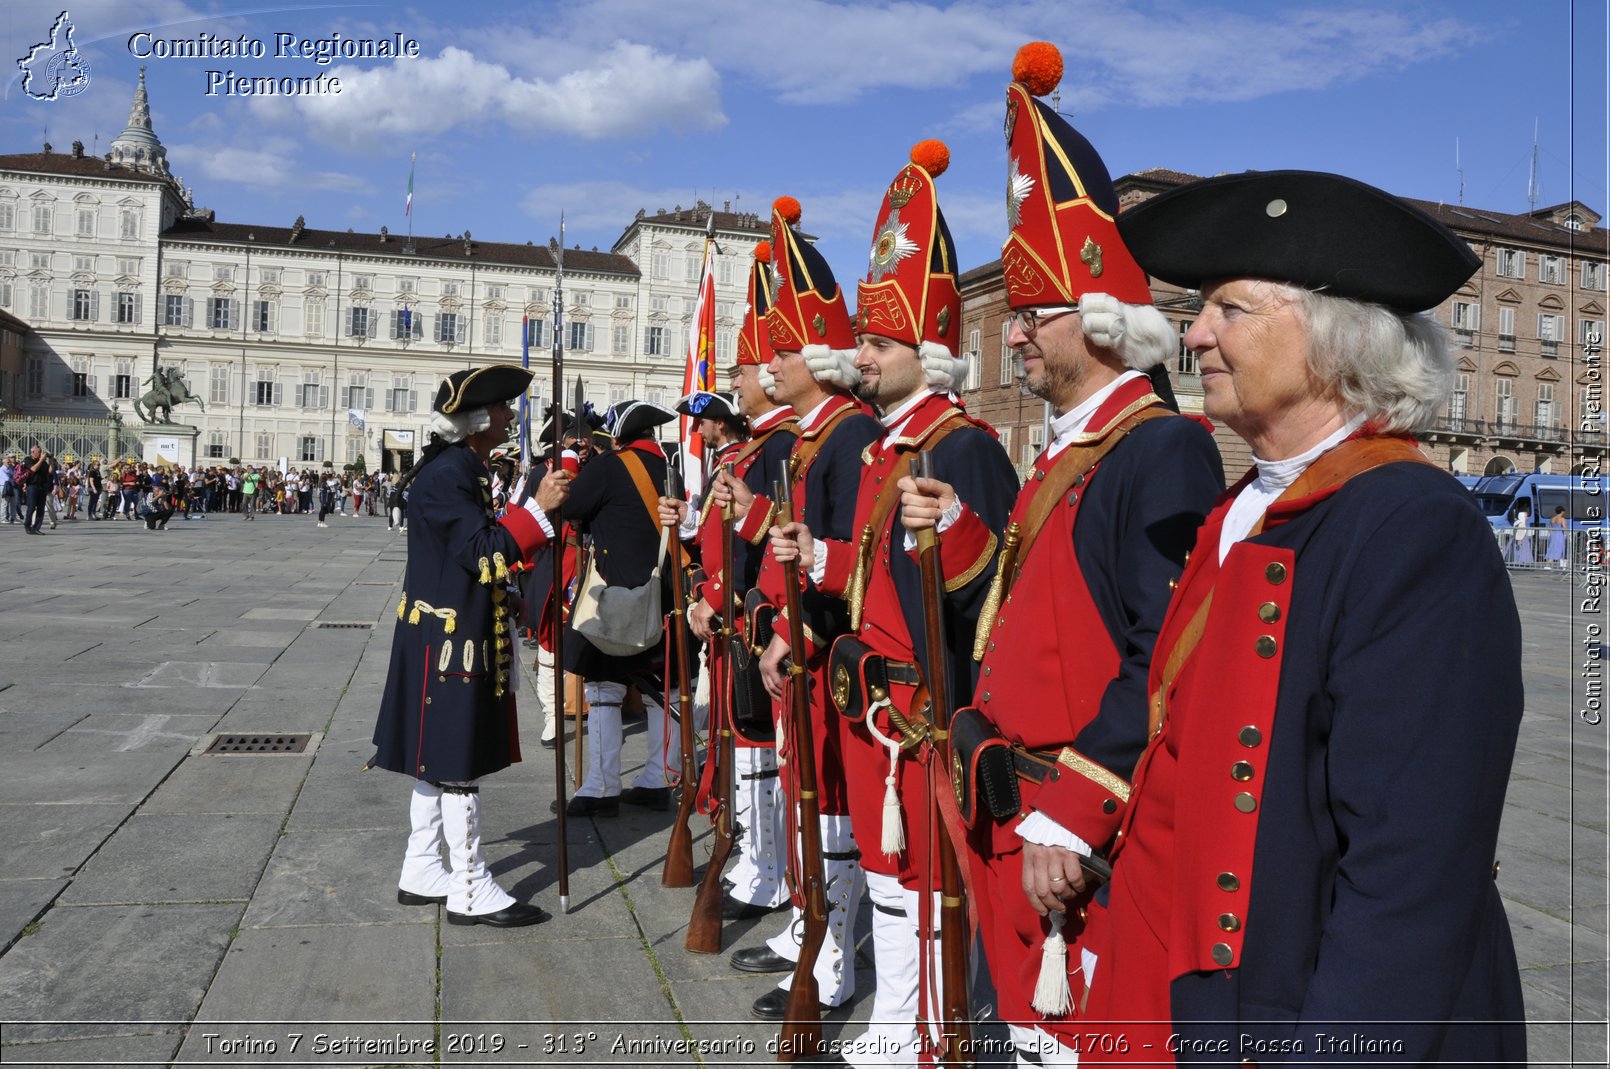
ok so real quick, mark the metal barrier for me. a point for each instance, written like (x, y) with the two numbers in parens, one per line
(1539, 548)
(109, 439)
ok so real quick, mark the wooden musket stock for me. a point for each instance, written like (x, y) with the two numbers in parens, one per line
(802, 1026)
(704, 926)
(955, 1010)
(678, 870)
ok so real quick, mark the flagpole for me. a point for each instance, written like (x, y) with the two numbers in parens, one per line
(408, 205)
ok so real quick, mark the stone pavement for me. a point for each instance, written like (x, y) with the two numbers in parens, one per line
(159, 907)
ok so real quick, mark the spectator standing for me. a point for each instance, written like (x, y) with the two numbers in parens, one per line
(8, 488)
(35, 480)
(94, 483)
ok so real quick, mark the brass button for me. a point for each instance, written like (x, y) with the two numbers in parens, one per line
(1250, 736)
(1173, 584)
(1079, 480)
(1073, 497)
(441, 679)
(427, 701)
(1228, 882)
(1186, 563)
(1229, 922)
(986, 695)
(1266, 646)
(1269, 612)
(1109, 807)
(1241, 771)
(1275, 573)
(1039, 475)
(986, 670)
(421, 770)
(1222, 954)
(992, 647)
(1245, 802)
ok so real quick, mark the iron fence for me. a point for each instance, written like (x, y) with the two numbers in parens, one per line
(108, 439)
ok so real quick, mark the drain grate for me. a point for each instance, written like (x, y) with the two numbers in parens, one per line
(258, 744)
(326, 625)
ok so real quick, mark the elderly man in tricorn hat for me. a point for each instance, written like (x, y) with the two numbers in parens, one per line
(1307, 858)
(448, 717)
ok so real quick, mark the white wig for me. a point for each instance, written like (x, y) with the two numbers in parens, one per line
(940, 368)
(1138, 334)
(460, 425)
(1394, 369)
(836, 367)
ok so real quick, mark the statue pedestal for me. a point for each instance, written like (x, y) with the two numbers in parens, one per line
(171, 443)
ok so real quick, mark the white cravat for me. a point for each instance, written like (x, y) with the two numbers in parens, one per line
(1072, 423)
(1274, 476)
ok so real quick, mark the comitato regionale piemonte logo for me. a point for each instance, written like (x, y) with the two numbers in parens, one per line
(53, 68)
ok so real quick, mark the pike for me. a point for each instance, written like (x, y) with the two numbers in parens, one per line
(802, 1024)
(956, 1035)
(704, 926)
(581, 429)
(678, 869)
(557, 593)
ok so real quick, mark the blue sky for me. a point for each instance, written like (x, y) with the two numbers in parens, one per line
(601, 107)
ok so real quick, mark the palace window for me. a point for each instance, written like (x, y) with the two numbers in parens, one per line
(1511, 263)
(218, 384)
(86, 306)
(128, 309)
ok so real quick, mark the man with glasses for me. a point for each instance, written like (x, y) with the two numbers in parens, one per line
(1094, 544)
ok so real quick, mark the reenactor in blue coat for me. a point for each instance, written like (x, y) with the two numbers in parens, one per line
(448, 717)
(1305, 869)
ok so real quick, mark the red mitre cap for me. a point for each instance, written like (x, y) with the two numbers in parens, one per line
(1060, 203)
(807, 304)
(754, 347)
(910, 291)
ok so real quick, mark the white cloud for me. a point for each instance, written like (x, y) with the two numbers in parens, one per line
(271, 164)
(627, 90)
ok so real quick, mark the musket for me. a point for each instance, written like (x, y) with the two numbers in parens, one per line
(802, 1024)
(704, 925)
(557, 593)
(955, 1010)
(581, 428)
(678, 870)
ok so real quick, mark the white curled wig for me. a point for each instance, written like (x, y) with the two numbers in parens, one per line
(1138, 334)
(836, 367)
(767, 380)
(460, 425)
(940, 369)
(1394, 369)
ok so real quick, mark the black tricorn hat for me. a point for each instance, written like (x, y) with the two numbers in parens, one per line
(1319, 231)
(702, 404)
(472, 388)
(566, 425)
(632, 419)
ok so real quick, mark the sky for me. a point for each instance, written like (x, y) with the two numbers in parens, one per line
(596, 108)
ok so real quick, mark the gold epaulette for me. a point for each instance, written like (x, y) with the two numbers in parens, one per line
(448, 616)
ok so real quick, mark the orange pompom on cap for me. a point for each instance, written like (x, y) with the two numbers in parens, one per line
(932, 156)
(788, 208)
(1038, 67)
(763, 252)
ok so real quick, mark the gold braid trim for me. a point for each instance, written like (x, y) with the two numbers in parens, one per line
(502, 567)
(855, 593)
(448, 616)
(997, 589)
(486, 571)
(765, 526)
(956, 583)
(1101, 777)
(402, 605)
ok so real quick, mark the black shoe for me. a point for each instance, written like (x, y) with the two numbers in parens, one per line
(408, 898)
(734, 910)
(585, 806)
(773, 1006)
(516, 916)
(548, 744)
(759, 959)
(648, 797)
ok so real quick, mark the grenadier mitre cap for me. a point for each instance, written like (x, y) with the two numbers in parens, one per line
(807, 304)
(472, 388)
(754, 346)
(1318, 231)
(910, 291)
(1060, 203)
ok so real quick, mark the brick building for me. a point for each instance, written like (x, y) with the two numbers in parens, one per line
(1528, 332)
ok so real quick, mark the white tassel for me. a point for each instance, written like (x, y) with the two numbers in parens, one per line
(893, 842)
(1052, 995)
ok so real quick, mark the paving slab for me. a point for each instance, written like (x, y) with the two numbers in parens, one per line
(133, 1048)
(50, 842)
(98, 966)
(333, 877)
(211, 785)
(23, 900)
(301, 979)
(177, 858)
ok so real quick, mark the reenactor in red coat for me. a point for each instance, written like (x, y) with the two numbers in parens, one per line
(1098, 534)
(909, 315)
(814, 371)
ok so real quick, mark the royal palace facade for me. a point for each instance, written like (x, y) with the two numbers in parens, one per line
(308, 345)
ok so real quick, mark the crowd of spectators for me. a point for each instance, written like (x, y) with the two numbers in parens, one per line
(67, 489)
